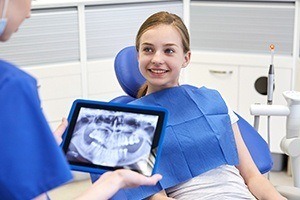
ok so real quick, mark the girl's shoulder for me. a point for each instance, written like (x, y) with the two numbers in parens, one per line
(203, 89)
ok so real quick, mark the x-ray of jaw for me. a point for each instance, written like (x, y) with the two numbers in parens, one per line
(113, 138)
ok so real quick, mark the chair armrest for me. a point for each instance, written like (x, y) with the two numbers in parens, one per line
(256, 145)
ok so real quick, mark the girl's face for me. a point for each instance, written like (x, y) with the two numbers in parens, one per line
(161, 57)
(17, 11)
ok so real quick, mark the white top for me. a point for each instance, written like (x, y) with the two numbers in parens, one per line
(233, 117)
(223, 182)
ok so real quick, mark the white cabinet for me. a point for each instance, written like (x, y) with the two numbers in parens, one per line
(101, 81)
(224, 78)
(59, 85)
(236, 82)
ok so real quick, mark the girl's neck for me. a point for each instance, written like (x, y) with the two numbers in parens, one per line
(156, 89)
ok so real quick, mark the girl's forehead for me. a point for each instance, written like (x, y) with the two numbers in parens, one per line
(162, 32)
(162, 28)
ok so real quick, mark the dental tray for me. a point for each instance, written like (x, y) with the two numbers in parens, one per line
(105, 136)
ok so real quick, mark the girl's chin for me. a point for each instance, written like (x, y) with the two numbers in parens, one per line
(157, 76)
(4, 38)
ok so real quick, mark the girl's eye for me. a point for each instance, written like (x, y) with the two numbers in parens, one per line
(169, 51)
(147, 49)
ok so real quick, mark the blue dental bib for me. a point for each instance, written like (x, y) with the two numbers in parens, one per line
(198, 137)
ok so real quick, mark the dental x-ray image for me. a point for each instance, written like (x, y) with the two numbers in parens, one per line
(114, 139)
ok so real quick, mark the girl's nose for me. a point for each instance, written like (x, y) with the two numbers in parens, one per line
(157, 58)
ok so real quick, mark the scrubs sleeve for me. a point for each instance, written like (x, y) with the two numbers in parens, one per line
(31, 162)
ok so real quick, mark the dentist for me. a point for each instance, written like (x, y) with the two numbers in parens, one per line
(31, 163)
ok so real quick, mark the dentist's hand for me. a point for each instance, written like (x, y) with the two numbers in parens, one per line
(60, 130)
(110, 182)
(130, 179)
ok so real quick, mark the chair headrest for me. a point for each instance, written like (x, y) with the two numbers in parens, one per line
(127, 71)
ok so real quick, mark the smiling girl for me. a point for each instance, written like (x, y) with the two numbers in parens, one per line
(204, 155)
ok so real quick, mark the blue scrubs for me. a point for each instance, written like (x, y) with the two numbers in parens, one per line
(31, 162)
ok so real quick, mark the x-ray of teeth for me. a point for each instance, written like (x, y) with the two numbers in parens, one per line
(113, 138)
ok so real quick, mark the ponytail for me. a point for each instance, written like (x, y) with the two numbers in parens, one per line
(142, 91)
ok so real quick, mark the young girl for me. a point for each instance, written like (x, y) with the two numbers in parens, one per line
(203, 155)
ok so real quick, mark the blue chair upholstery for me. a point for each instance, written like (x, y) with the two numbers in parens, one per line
(130, 79)
(127, 71)
(256, 145)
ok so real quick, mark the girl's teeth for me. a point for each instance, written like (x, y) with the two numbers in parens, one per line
(158, 71)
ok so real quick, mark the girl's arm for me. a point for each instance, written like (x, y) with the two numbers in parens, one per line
(160, 196)
(258, 185)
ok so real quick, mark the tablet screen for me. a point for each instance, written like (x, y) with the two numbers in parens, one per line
(107, 136)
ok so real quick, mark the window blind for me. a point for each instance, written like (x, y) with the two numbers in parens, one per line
(109, 29)
(49, 36)
(242, 27)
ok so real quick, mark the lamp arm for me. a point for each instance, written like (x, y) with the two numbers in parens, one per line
(269, 110)
(258, 110)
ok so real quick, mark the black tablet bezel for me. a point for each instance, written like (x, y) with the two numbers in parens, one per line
(93, 168)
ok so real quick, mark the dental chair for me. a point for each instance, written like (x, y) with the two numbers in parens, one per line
(130, 79)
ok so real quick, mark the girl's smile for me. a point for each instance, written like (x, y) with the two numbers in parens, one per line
(158, 72)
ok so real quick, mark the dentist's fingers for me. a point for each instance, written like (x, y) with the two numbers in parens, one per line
(60, 130)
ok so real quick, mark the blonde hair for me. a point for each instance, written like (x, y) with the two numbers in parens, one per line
(160, 18)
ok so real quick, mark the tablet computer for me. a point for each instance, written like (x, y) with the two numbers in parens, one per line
(104, 136)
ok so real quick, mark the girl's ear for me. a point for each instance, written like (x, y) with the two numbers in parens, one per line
(187, 58)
